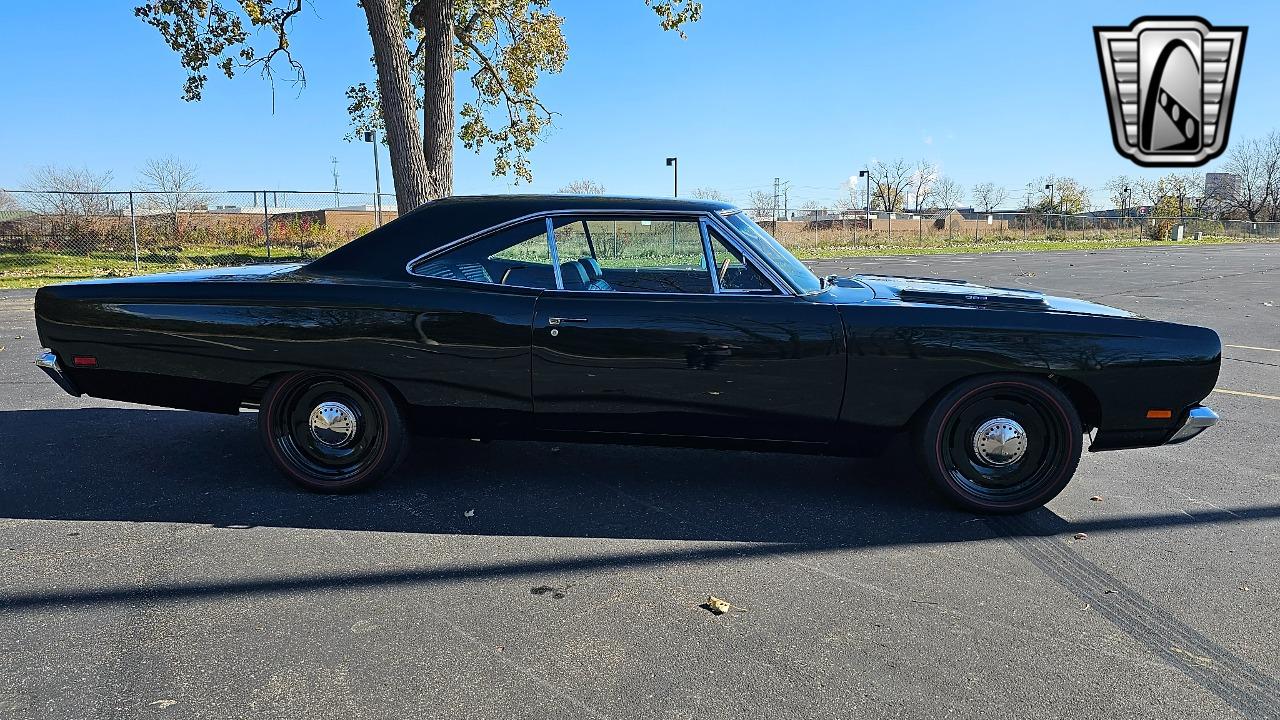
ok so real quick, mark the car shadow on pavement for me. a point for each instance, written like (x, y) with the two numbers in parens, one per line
(141, 465)
(146, 465)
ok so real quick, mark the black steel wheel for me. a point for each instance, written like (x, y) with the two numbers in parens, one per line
(1001, 444)
(331, 432)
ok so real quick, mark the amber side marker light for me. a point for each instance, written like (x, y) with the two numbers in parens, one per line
(91, 361)
(1159, 414)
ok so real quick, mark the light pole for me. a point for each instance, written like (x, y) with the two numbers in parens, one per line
(1049, 187)
(1127, 200)
(371, 136)
(674, 164)
(865, 174)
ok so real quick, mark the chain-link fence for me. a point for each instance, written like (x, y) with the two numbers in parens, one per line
(64, 235)
(821, 230)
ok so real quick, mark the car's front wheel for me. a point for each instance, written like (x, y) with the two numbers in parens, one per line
(331, 432)
(1001, 444)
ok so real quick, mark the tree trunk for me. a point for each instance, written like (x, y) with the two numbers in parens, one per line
(399, 103)
(435, 18)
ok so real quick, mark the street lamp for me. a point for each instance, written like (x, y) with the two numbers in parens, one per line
(674, 164)
(1128, 200)
(1049, 187)
(866, 174)
(371, 136)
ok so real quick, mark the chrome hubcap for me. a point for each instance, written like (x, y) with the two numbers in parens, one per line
(999, 442)
(333, 424)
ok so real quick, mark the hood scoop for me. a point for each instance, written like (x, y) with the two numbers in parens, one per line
(955, 292)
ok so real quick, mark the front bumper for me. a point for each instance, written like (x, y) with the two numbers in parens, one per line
(1199, 419)
(48, 362)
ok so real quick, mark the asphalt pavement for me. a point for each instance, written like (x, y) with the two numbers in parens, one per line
(155, 566)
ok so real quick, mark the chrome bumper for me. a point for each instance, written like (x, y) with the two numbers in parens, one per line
(48, 362)
(1199, 419)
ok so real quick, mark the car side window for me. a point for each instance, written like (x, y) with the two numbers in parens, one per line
(735, 271)
(632, 254)
(517, 256)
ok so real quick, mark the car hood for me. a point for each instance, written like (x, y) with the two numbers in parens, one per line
(938, 291)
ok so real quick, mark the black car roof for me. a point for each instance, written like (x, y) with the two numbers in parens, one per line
(384, 251)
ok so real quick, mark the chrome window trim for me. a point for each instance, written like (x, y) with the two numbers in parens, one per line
(708, 257)
(780, 287)
(794, 290)
(555, 255)
(714, 218)
(775, 277)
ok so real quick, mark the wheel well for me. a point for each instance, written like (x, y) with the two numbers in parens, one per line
(1081, 397)
(1085, 401)
(254, 392)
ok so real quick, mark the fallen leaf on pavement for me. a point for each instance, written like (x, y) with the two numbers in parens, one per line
(720, 606)
(1081, 536)
(717, 606)
(469, 513)
(1096, 498)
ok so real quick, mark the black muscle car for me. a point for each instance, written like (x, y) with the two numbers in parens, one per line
(609, 319)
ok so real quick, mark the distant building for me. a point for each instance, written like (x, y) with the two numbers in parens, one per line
(1221, 186)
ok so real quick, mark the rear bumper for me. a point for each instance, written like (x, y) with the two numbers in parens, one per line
(48, 362)
(1198, 419)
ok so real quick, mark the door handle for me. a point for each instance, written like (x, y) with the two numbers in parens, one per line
(561, 320)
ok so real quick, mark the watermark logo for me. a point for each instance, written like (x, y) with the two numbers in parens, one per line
(1170, 84)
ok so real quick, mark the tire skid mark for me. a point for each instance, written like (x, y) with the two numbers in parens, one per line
(1233, 679)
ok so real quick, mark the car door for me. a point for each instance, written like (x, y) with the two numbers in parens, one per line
(470, 362)
(650, 342)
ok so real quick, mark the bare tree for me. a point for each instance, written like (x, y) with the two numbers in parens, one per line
(583, 187)
(1256, 162)
(922, 182)
(762, 204)
(1119, 189)
(1067, 195)
(7, 202)
(69, 191)
(1183, 189)
(988, 196)
(889, 183)
(173, 186)
(1149, 191)
(947, 193)
(706, 193)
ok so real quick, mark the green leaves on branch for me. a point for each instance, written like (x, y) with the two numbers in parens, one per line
(674, 14)
(206, 32)
(505, 46)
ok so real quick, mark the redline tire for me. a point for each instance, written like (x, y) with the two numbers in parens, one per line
(951, 443)
(331, 432)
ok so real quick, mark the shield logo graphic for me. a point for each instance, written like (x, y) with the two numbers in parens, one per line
(1170, 84)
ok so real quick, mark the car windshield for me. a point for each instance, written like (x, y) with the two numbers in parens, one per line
(775, 254)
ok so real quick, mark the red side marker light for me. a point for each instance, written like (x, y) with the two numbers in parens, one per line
(84, 361)
(1159, 414)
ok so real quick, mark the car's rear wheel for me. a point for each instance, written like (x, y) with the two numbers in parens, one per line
(1001, 444)
(331, 432)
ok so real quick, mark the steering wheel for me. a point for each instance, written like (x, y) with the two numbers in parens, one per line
(724, 269)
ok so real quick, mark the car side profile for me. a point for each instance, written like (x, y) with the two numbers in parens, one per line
(609, 319)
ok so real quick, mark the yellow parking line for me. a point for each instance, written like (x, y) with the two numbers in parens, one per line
(1252, 347)
(1247, 394)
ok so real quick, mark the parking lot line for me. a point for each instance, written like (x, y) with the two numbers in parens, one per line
(1247, 394)
(1252, 347)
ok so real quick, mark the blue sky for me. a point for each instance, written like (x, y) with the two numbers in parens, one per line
(806, 91)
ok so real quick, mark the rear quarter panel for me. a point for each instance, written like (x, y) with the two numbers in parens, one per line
(463, 350)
